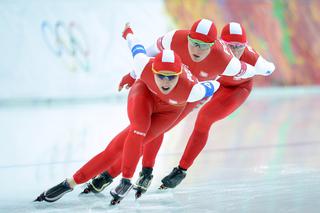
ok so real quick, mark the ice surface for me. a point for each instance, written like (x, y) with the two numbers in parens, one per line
(263, 158)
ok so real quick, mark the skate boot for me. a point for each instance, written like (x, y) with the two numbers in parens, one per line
(55, 193)
(174, 178)
(98, 184)
(120, 191)
(144, 181)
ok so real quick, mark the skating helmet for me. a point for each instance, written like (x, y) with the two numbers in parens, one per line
(204, 30)
(234, 33)
(167, 63)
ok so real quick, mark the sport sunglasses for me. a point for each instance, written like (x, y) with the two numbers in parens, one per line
(197, 43)
(236, 45)
(170, 77)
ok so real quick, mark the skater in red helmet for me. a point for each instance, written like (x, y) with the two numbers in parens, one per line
(158, 97)
(230, 59)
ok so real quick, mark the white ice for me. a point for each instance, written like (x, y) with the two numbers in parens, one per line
(263, 158)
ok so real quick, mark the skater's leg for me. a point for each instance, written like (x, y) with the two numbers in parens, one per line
(220, 106)
(115, 169)
(103, 160)
(140, 112)
(140, 109)
(151, 149)
(217, 108)
(95, 166)
(159, 123)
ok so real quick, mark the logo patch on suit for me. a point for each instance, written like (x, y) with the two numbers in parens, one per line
(173, 101)
(204, 74)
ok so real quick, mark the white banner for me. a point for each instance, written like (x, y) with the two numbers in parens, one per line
(71, 49)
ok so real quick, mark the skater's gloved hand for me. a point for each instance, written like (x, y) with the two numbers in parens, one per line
(127, 80)
(267, 70)
(264, 67)
(127, 30)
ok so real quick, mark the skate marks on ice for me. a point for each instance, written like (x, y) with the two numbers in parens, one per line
(276, 173)
(274, 188)
(83, 203)
(92, 203)
(154, 201)
(286, 190)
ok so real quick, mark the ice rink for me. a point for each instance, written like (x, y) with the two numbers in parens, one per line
(263, 158)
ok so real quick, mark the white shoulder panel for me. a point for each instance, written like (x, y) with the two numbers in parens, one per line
(233, 68)
(197, 93)
(167, 39)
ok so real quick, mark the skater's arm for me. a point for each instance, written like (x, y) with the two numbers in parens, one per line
(202, 90)
(232, 66)
(261, 65)
(239, 69)
(264, 67)
(243, 70)
(140, 59)
(164, 42)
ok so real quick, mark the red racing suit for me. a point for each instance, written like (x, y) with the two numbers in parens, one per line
(150, 113)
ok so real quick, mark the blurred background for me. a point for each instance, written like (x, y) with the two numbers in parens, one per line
(53, 53)
(61, 62)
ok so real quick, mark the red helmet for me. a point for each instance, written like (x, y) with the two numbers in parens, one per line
(167, 63)
(234, 32)
(204, 30)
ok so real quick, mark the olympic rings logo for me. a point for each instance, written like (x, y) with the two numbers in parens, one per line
(68, 42)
